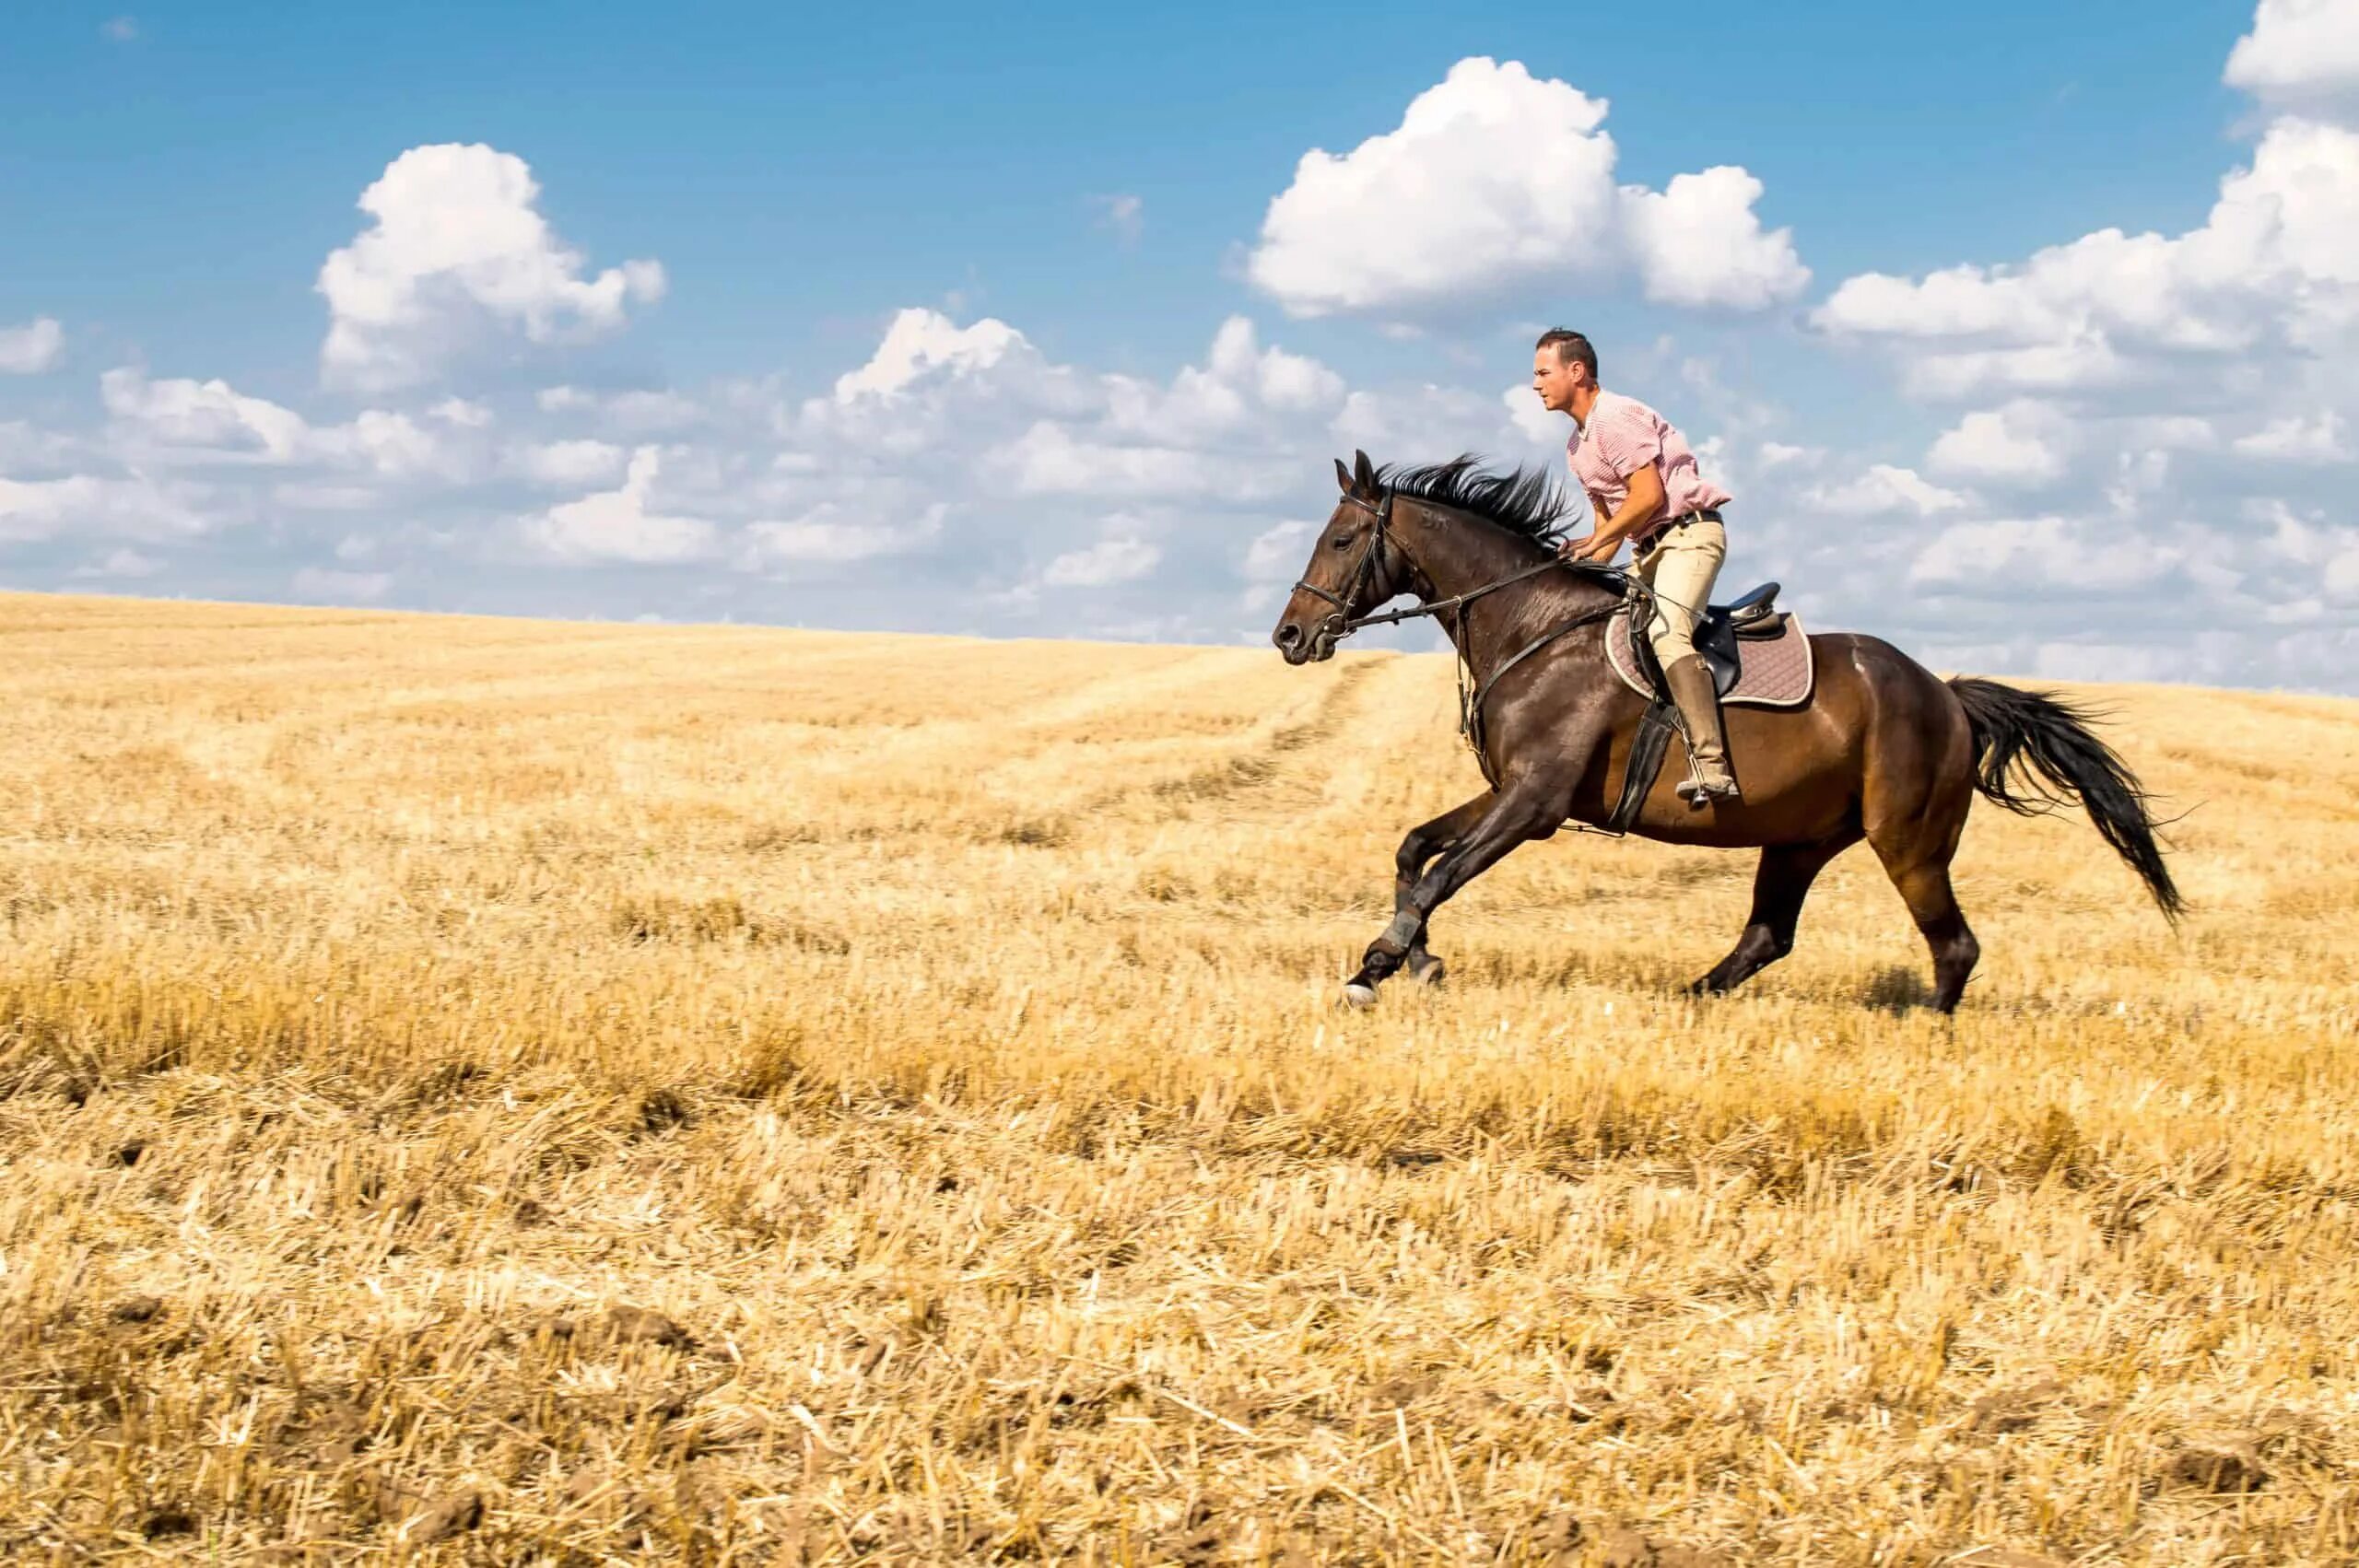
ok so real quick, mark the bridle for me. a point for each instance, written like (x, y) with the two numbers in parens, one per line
(1342, 623)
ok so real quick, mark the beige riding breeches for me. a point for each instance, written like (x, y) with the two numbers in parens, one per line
(1681, 567)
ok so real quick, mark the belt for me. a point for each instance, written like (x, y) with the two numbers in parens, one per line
(1701, 514)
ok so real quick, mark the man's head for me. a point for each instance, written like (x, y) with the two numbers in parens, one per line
(1563, 370)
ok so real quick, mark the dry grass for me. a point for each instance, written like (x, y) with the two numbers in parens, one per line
(493, 1091)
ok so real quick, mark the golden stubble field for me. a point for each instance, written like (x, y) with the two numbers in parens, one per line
(486, 1091)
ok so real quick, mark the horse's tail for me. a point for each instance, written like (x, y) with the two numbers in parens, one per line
(2061, 759)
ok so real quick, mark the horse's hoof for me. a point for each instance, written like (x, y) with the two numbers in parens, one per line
(1358, 995)
(1427, 972)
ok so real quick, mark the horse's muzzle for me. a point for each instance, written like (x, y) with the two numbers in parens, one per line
(1301, 650)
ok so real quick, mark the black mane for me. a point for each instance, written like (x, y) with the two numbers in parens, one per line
(1521, 501)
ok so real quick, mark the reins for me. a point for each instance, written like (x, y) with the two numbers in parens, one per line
(1454, 602)
(1471, 695)
(1343, 622)
(1469, 701)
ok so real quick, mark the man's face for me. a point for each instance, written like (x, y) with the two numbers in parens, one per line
(1555, 379)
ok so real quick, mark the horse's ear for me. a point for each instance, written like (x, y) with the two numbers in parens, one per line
(1343, 477)
(1364, 472)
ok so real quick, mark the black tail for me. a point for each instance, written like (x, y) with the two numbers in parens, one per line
(2063, 760)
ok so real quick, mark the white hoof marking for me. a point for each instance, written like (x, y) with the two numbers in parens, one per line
(1360, 996)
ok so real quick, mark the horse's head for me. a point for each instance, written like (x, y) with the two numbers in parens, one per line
(1356, 565)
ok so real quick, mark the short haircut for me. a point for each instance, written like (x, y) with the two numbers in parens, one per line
(1571, 347)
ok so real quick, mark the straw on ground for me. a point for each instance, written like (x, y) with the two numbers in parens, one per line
(488, 1091)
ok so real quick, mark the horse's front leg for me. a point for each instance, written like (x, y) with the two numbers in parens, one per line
(1422, 843)
(1524, 811)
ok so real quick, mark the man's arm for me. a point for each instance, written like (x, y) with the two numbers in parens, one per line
(1638, 508)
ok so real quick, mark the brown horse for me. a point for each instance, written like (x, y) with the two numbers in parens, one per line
(1884, 750)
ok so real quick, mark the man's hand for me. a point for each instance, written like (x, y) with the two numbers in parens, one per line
(1643, 500)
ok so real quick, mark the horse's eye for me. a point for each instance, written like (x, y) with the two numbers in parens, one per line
(1343, 541)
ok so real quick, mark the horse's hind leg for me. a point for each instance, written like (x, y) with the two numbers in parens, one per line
(1779, 885)
(1917, 858)
(1917, 788)
(1422, 842)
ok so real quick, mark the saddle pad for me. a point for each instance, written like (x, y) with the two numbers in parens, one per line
(1773, 673)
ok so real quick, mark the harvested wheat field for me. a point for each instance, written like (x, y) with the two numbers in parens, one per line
(496, 1092)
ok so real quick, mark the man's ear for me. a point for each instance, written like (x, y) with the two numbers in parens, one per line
(1343, 477)
(1363, 472)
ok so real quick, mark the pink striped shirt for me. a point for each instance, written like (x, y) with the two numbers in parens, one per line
(1623, 435)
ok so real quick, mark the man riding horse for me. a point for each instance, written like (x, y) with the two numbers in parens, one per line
(1643, 483)
(1876, 747)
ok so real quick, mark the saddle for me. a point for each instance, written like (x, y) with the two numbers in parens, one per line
(1758, 656)
(1752, 618)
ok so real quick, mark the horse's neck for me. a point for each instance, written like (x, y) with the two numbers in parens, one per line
(1459, 554)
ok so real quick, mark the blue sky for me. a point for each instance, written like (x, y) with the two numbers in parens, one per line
(810, 169)
(1063, 208)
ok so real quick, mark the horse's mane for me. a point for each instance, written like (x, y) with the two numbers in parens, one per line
(1524, 501)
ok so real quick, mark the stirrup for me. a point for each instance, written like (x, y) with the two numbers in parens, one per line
(1698, 794)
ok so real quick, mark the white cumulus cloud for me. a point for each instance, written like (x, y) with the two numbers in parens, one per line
(1289, 383)
(1496, 180)
(922, 342)
(460, 412)
(34, 509)
(2025, 442)
(208, 415)
(618, 525)
(2298, 49)
(1884, 488)
(1786, 455)
(2173, 399)
(458, 246)
(1697, 242)
(391, 445)
(179, 420)
(29, 349)
(2275, 266)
